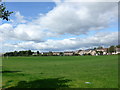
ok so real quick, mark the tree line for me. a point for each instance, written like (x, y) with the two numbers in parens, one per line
(19, 53)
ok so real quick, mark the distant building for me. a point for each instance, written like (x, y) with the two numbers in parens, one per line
(113, 53)
(87, 52)
(69, 53)
(56, 53)
(76, 52)
(117, 50)
(82, 52)
(93, 53)
(103, 50)
(35, 53)
(45, 53)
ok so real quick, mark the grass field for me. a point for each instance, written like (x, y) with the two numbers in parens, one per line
(61, 71)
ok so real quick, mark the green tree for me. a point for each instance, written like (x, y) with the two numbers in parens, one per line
(30, 52)
(15, 53)
(95, 48)
(118, 46)
(111, 49)
(100, 47)
(50, 53)
(4, 14)
(38, 52)
(61, 54)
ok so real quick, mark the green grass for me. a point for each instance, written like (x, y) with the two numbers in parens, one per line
(61, 71)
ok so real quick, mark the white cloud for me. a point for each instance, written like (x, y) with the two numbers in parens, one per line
(70, 18)
(79, 18)
(5, 31)
(65, 18)
(25, 32)
(70, 43)
(18, 18)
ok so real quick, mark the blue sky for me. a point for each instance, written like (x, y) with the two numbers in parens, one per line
(51, 26)
(30, 9)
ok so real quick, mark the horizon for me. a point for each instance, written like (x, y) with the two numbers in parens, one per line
(99, 47)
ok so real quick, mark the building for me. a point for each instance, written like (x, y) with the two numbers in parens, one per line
(45, 53)
(56, 53)
(117, 50)
(102, 51)
(35, 53)
(87, 52)
(81, 52)
(93, 53)
(69, 53)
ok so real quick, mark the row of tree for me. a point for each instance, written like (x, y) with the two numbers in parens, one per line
(19, 53)
(29, 53)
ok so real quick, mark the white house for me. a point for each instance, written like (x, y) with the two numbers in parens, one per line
(92, 52)
(68, 53)
(35, 53)
(56, 53)
(117, 50)
(103, 50)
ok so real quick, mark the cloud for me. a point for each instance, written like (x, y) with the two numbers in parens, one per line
(18, 18)
(79, 18)
(65, 18)
(24, 32)
(5, 31)
(99, 39)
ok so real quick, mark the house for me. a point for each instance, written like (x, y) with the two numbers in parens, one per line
(113, 53)
(76, 52)
(56, 53)
(45, 53)
(68, 53)
(93, 52)
(81, 52)
(35, 53)
(102, 51)
(117, 50)
(88, 52)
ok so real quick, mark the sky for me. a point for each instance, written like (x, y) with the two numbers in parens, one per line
(59, 26)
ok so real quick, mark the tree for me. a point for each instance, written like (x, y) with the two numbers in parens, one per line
(4, 14)
(99, 52)
(30, 52)
(61, 54)
(111, 49)
(38, 52)
(118, 46)
(94, 48)
(100, 47)
(15, 53)
(50, 53)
